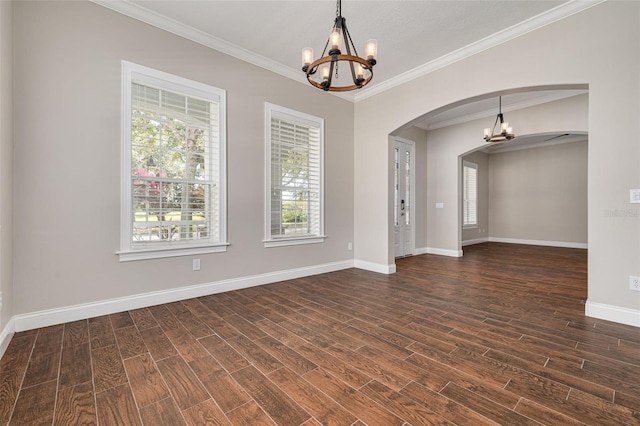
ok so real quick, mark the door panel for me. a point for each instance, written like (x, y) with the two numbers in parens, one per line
(403, 231)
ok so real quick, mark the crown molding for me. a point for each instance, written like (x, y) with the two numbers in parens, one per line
(173, 26)
(560, 94)
(574, 137)
(552, 15)
(140, 13)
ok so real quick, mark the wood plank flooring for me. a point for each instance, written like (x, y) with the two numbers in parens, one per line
(496, 337)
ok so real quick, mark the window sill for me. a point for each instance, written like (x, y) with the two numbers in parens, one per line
(144, 254)
(470, 226)
(281, 242)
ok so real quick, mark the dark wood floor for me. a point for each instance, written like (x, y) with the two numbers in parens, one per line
(498, 336)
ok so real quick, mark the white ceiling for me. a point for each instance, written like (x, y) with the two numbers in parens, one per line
(414, 37)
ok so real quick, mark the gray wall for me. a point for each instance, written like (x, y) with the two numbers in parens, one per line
(6, 158)
(446, 145)
(539, 193)
(67, 81)
(561, 53)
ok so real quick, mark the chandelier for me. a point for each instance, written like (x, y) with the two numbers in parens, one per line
(359, 70)
(506, 132)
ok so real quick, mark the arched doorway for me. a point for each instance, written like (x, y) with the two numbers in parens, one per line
(449, 132)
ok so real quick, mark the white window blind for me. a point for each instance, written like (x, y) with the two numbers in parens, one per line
(294, 169)
(470, 193)
(174, 154)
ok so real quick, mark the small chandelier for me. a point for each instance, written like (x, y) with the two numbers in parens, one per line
(506, 132)
(360, 70)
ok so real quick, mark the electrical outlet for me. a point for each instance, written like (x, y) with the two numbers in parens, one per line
(196, 264)
(349, 246)
(634, 283)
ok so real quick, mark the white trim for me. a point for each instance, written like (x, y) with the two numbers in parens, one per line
(576, 137)
(130, 255)
(412, 202)
(555, 96)
(375, 267)
(421, 250)
(88, 310)
(612, 313)
(77, 312)
(550, 16)
(173, 26)
(6, 334)
(475, 241)
(272, 111)
(465, 195)
(134, 73)
(539, 242)
(444, 252)
(293, 241)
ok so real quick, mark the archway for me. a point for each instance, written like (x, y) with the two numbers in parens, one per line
(542, 110)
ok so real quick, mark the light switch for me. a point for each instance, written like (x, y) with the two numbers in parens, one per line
(634, 196)
(439, 205)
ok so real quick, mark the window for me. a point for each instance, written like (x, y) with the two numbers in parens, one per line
(470, 194)
(173, 166)
(294, 180)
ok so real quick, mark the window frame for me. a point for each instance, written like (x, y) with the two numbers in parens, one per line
(272, 110)
(134, 73)
(465, 224)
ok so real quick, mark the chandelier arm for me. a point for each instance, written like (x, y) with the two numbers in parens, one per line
(493, 131)
(345, 36)
(345, 30)
(325, 47)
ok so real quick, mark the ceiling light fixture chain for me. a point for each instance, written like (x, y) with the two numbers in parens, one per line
(506, 131)
(328, 64)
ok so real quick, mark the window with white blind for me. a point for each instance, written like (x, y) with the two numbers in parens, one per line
(469, 194)
(294, 177)
(173, 160)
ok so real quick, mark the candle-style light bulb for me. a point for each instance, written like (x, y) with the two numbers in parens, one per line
(335, 39)
(307, 56)
(325, 73)
(487, 132)
(371, 49)
(359, 72)
(505, 126)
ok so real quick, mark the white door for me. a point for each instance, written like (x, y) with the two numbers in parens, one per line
(403, 231)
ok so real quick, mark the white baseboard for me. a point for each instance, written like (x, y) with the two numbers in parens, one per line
(6, 334)
(538, 242)
(613, 313)
(419, 251)
(375, 267)
(87, 310)
(441, 252)
(475, 241)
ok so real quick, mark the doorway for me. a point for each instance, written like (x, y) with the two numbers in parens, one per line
(404, 197)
